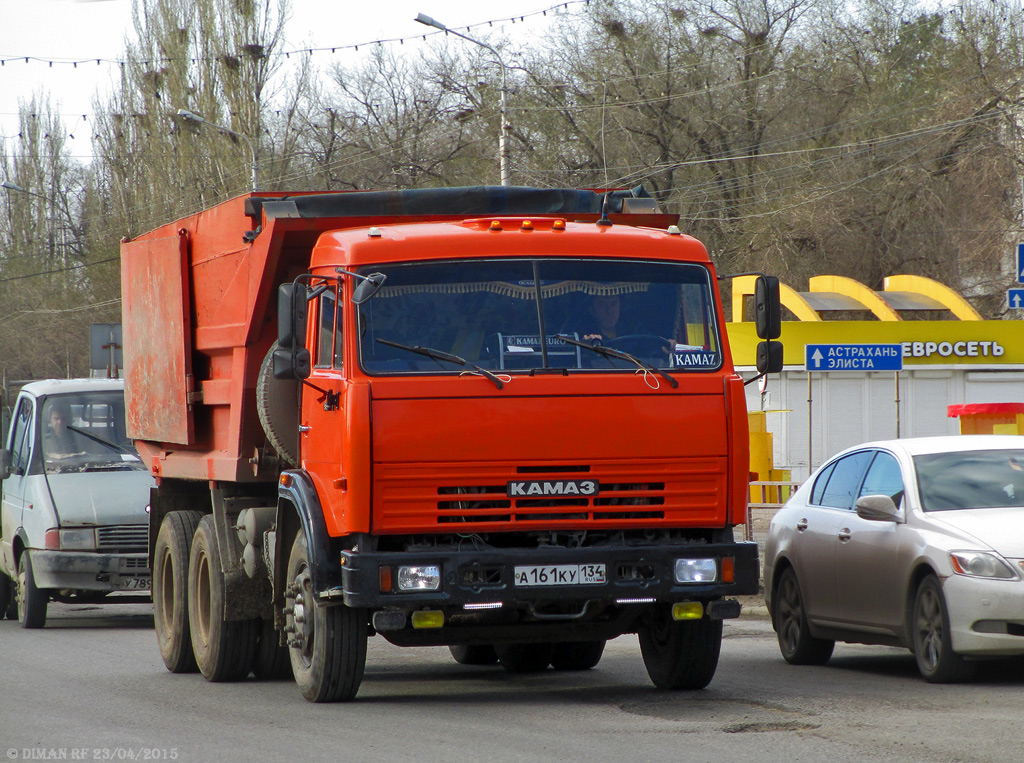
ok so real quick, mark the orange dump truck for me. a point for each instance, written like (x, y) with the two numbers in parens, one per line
(503, 420)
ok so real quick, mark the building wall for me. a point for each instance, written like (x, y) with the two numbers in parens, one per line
(848, 408)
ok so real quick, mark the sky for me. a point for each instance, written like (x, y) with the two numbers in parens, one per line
(54, 33)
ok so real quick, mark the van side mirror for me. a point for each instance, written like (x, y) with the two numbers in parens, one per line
(5, 463)
(769, 357)
(292, 309)
(767, 307)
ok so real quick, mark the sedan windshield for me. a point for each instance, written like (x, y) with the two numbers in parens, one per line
(521, 315)
(977, 479)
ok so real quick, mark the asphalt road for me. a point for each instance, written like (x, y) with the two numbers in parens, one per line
(91, 686)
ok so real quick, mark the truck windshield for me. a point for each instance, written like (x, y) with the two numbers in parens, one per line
(515, 315)
(84, 431)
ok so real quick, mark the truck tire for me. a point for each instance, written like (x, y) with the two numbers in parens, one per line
(272, 662)
(277, 403)
(577, 655)
(170, 590)
(31, 600)
(474, 654)
(224, 650)
(327, 644)
(680, 654)
(8, 598)
(525, 658)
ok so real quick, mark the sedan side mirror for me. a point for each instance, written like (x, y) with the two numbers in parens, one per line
(877, 508)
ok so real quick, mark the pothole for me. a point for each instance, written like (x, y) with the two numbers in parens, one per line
(757, 728)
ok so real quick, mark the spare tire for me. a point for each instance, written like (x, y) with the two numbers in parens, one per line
(277, 403)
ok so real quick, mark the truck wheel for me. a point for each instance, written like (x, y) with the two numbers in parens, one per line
(474, 654)
(272, 660)
(680, 654)
(8, 598)
(170, 586)
(327, 644)
(525, 658)
(31, 600)
(577, 655)
(277, 404)
(789, 619)
(224, 649)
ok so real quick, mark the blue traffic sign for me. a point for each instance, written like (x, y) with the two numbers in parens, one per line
(853, 357)
(1020, 263)
(1015, 298)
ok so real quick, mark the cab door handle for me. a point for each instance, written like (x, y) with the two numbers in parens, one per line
(844, 535)
(801, 525)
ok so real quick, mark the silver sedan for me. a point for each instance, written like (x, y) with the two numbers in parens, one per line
(916, 543)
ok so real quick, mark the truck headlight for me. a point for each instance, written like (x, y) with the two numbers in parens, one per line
(421, 578)
(696, 571)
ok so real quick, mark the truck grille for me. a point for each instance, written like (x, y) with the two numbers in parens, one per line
(628, 494)
(123, 538)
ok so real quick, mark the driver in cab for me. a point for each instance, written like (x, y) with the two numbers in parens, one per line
(603, 314)
(61, 441)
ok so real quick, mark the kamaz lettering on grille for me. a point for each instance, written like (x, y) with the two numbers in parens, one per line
(527, 488)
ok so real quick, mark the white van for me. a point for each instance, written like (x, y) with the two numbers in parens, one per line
(73, 519)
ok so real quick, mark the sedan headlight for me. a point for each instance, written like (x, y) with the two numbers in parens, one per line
(980, 564)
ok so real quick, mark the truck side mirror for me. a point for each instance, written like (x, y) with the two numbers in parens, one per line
(5, 463)
(292, 308)
(767, 307)
(292, 364)
(769, 357)
(367, 287)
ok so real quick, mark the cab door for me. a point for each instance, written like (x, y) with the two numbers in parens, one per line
(12, 509)
(323, 419)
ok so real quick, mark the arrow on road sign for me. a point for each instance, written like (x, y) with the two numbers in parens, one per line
(816, 357)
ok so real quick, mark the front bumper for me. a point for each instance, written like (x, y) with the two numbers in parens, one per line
(986, 617)
(486, 575)
(90, 571)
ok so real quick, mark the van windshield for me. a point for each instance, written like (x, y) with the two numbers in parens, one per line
(515, 315)
(84, 431)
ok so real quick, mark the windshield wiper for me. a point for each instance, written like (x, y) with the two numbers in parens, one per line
(430, 352)
(113, 446)
(609, 352)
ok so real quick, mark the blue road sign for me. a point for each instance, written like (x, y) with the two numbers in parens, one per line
(853, 357)
(1020, 263)
(1015, 298)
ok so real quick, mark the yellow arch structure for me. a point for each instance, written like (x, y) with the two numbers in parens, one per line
(792, 300)
(857, 291)
(949, 299)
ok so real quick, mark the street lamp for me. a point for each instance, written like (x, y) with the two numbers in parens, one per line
(193, 117)
(7, 184)
(503, 138)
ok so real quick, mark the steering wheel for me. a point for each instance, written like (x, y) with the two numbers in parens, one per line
(641, 345)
